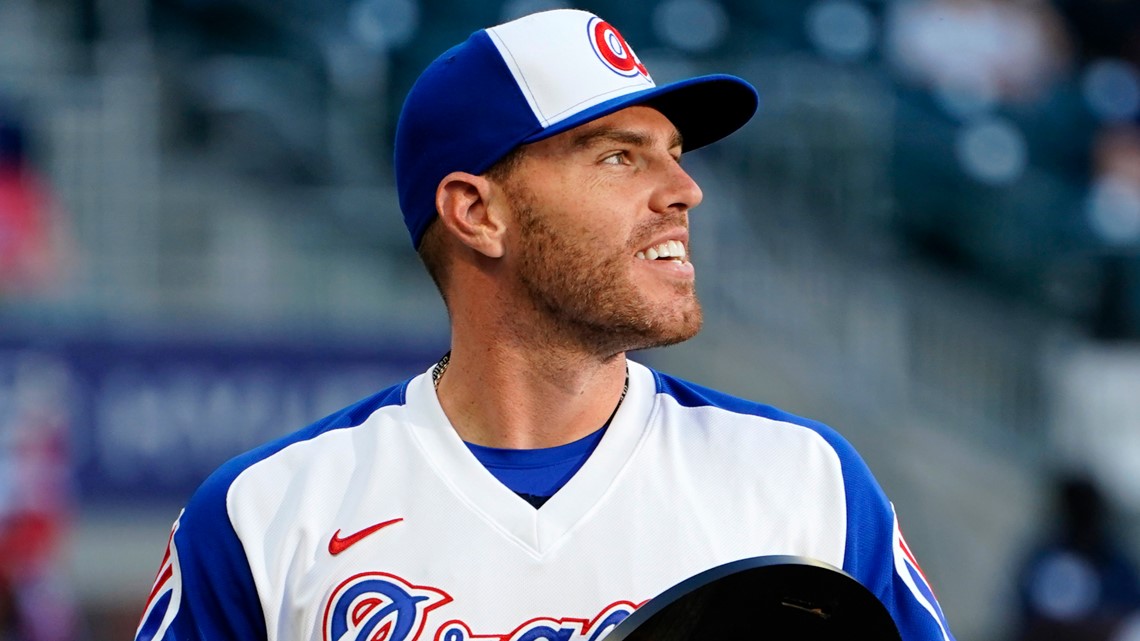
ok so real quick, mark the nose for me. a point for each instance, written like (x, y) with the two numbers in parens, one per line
(677, 190)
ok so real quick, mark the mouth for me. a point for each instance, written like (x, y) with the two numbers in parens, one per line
(670, 250)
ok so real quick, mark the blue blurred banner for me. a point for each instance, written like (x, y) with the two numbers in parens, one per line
(148, 421)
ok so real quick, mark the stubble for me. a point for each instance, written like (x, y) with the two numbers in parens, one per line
(589, 297)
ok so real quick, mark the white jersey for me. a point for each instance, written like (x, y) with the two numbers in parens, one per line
(378, 523)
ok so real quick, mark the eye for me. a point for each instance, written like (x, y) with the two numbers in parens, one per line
(616, 158)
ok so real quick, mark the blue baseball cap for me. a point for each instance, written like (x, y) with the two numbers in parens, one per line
(532, 78)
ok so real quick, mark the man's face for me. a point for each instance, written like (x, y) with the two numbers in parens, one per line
(601, 233)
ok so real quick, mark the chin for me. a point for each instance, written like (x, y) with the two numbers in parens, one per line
(678, 328)
(689, 326)
(633, 331)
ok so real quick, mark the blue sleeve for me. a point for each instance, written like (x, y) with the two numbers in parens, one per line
(877, 554)
(204, 589)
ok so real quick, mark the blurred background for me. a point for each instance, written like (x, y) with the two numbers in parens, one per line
(928, 239)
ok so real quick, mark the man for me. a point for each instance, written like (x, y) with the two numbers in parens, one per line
(534, 484)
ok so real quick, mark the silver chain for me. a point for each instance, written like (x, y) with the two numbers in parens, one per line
(441, 367)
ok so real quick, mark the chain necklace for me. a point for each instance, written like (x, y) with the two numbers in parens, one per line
(441, 367)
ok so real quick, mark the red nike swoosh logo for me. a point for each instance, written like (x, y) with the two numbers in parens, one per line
(338, 544)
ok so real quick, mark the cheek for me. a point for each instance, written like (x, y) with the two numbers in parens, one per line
(583, 215)
(616, 243)
(600, 231)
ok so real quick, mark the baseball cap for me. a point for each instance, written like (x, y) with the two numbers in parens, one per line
(532, 78)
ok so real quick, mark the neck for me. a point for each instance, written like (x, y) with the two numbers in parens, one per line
(523, 397)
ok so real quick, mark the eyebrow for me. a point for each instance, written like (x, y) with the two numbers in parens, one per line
(626, 136)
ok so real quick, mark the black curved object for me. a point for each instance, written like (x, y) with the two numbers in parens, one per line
(766, 598)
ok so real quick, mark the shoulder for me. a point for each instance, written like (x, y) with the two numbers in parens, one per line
(874, 550)
(779, 434)
(207, 587)
(689, 395)
(211, 497)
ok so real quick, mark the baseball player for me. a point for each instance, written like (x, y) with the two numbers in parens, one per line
(534, 484)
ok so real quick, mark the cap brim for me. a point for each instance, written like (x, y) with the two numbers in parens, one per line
(767, 597)
(704, 109)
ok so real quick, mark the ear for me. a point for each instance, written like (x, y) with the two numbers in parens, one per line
(463, 202)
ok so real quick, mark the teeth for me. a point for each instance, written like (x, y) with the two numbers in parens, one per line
(669, 249)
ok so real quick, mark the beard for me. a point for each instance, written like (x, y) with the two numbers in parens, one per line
(591, 299)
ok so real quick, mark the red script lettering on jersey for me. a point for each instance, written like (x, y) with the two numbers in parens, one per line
(338, 544)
